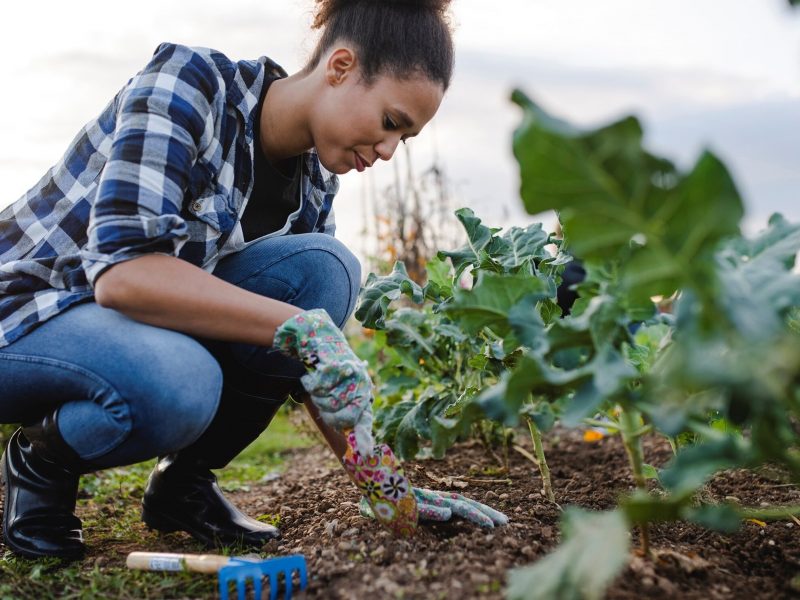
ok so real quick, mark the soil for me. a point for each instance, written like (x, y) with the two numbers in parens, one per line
(351, 557)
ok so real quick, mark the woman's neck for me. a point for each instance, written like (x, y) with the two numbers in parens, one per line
(283, 128)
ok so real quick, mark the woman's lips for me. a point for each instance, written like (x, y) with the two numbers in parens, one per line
(361, 164)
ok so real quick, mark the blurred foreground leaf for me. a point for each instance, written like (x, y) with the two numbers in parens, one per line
(593, 552)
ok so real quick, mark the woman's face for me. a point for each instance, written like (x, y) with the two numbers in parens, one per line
(354, 124)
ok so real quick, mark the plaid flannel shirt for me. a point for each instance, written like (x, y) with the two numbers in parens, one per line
(166, 168)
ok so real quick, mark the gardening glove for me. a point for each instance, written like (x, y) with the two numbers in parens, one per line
(385, 490)
(337, 380)
(441, 506)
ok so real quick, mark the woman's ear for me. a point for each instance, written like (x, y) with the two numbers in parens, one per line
(341, 64)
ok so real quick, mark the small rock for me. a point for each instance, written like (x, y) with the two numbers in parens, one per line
(379, 553)
(489, 537)
(479, 578)
(353, 531)
(503, 496)
(771, 542)
(330, 528)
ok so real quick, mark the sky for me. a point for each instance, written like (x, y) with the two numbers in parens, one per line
(717, 74)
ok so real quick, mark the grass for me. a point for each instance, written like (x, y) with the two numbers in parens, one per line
(109, 505)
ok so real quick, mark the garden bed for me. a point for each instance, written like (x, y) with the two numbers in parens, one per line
(351, 557)
(354, 559)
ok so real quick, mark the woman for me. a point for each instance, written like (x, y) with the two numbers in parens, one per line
(165, 286)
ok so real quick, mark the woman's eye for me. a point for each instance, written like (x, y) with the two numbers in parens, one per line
(388, 123)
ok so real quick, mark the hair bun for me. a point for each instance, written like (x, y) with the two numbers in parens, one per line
(327, 8)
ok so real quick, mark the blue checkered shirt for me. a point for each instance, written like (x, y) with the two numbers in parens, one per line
(166, 168)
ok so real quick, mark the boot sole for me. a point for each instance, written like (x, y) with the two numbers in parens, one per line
(167, 524)
(25, 552)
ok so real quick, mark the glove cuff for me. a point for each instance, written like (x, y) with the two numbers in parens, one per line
(297, 336)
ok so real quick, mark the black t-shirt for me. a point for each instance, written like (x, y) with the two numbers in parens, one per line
(275, 188)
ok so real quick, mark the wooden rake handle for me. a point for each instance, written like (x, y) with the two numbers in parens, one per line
(168, 561)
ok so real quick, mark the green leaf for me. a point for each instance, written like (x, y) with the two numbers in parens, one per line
(527, 324)
(641, 507)
(694, 465)
(650, 472)
(440, 279)
(758, 284)
(379, 292)
(618, 202)
(594, 551)
(406, 330)
(522, 246)
(542, 414)
(489, 302)
(609, 372)
(412, 426)
(722, 517)
(478, 238)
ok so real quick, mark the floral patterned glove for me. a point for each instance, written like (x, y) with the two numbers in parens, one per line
(337, 380)
(441, 506)
(385, 490)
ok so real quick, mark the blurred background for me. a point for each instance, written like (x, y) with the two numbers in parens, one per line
(721, 74)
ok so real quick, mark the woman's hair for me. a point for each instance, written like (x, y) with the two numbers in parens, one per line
(402, 38)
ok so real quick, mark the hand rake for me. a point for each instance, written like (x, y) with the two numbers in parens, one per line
(229, 570)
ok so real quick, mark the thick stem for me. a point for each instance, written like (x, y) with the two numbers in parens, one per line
(538, 450)
(770, 513)
(632, 439)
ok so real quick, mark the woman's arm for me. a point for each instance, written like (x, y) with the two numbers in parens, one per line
(169, 292)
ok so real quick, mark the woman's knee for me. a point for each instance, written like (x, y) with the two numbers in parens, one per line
(332, 278)
(152, 408)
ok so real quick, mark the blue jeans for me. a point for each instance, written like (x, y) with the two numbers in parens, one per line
(127, 391)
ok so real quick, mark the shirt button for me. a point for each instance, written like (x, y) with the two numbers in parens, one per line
(197, 206)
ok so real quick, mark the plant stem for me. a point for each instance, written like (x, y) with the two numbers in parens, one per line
(538, 449)
(770, 513)
(632, 439)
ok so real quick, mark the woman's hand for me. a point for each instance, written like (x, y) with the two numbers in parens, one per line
(441, 506)
(337, 380)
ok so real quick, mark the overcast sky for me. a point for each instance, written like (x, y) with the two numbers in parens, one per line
(723, 74)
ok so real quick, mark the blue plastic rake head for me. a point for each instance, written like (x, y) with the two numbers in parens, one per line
(243, 570)
(237, 570)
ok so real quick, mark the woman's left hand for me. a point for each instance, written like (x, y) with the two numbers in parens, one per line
(441, 506)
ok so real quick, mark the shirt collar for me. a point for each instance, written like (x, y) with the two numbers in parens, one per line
(244, 93)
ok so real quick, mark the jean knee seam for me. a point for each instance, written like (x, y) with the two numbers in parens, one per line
(54, 362)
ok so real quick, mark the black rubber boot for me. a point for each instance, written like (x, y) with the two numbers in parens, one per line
(40, 475)
(182, 493)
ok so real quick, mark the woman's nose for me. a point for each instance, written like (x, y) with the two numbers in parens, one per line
(386, 147)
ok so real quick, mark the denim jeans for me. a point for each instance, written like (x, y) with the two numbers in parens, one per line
(127, 391)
